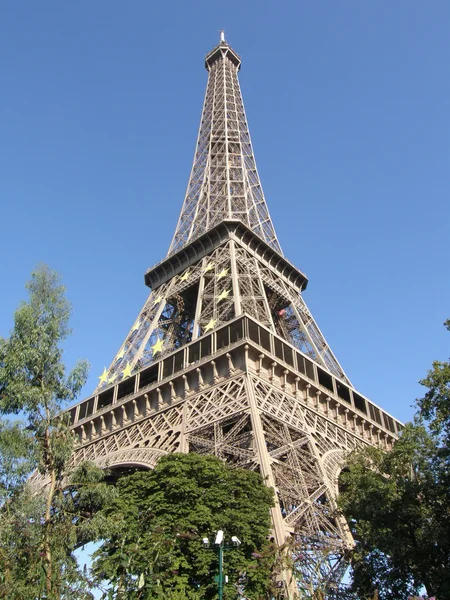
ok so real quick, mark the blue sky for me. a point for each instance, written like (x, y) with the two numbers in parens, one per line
(347, 104)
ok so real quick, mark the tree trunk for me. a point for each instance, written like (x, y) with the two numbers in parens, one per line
(47, 535)
(48, 515)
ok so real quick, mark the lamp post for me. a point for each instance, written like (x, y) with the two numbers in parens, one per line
(220, 552)
(220, 547)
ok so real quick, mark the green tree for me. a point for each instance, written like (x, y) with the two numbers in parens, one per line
(40, 526)
(154, 547)
(399, 511)
(398, 503)
(434, 407)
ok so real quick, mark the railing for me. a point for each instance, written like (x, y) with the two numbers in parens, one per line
(241, 329)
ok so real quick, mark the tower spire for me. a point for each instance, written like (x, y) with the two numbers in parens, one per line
(224, 182)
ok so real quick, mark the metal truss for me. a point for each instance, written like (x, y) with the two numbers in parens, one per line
(224, 184)
(228, 282)
(224, 181)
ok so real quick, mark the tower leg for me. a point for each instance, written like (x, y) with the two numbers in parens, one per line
(279, 529)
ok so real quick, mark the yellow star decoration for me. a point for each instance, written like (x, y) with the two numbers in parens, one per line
(127, 371)
(158, 300)
(136, 326)
(223, 295)
(210, 325)
(112, 378)
(185, 276)
(208, 267)
(158, 346)
(121, 354)
(222, 273)
(104, 376)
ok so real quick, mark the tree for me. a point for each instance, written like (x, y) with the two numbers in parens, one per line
(154, 547)
(20, 511)
(398, 503)
(400, 515)
(434, 407)
(38, 528)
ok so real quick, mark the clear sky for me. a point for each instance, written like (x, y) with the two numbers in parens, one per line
(348, 107)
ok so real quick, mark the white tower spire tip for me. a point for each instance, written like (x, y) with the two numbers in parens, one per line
(222, 35)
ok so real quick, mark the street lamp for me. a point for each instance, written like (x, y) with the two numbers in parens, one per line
(220, 547)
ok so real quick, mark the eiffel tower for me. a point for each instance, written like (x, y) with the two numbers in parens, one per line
(226, 359)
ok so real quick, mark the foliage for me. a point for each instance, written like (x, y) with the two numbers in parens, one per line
(41, 525)
(398, 503)
(154, 548)
(435, 405)
(16, 458)
(399, 511)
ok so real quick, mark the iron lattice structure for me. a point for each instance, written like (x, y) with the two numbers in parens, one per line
(225, 357)
(224, 181)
